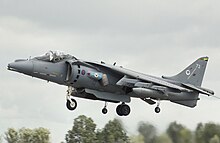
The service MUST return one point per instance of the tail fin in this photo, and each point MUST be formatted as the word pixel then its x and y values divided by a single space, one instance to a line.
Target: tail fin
pixel 193 74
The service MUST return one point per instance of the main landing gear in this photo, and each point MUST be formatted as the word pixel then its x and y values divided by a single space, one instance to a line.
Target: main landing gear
pixel 123 109
pixel 71 103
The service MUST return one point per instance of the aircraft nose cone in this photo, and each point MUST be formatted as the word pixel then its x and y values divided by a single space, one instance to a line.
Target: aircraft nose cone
pixel 23 66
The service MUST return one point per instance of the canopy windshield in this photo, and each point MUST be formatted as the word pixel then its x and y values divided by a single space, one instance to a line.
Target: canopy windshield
pixel 55 56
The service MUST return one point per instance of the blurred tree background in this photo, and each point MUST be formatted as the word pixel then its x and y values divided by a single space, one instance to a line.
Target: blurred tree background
pixel 178 133
pixel 114 132
pixel 25 135
pixel 84 130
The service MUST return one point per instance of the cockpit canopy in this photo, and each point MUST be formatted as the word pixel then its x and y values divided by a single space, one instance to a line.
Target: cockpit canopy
pixel 55 56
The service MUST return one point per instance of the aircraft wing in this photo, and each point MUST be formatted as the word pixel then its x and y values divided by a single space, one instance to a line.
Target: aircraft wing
pixel 141 77
pixel 200 89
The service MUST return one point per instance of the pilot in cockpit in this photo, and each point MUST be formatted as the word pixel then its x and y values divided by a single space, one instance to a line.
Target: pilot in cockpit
pixel 54 56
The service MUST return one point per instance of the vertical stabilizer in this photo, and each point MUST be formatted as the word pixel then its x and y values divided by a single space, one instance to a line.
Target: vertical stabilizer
pixel 193 74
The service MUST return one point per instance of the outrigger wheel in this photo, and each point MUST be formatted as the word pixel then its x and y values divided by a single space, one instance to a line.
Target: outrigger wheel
pixel 157 109
pixel 104 111
pixel 71 105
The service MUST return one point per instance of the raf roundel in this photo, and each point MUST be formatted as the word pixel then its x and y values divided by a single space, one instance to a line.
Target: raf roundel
pixel 187 72
pixel 83 72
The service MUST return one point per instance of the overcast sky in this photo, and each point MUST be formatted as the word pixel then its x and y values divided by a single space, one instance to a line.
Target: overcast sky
pixel 151 36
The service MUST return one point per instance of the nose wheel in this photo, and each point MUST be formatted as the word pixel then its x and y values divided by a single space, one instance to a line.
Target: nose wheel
pixel 123 109
pixel 71 103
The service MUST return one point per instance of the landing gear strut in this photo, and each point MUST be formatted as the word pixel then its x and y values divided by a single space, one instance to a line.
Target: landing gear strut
pixel 123 109
pixel 71 103
pixel 105 110
pixel 157 109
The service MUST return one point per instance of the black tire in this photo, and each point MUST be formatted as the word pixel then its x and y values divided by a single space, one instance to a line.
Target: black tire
pixel 71 105
pixel 125 109
pixel 118 110
pixel 104 111
pixel 157 109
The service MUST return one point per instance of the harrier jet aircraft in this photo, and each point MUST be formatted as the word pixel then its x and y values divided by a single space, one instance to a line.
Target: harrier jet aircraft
pixel 111 83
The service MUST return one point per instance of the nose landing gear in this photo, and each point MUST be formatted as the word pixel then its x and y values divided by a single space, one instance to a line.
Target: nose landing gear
pixel 71 103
